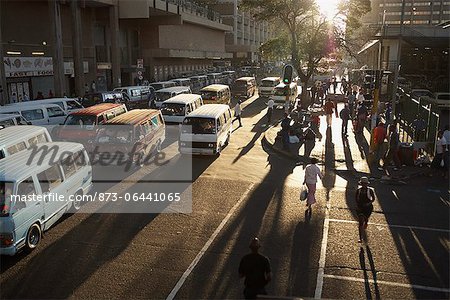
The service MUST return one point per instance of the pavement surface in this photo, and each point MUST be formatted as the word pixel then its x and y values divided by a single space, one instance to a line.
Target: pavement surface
pixel 251 189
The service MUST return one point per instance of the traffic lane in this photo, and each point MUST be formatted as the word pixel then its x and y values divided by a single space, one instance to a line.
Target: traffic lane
pixel 96 249
pixel 273 212
pixel 397 255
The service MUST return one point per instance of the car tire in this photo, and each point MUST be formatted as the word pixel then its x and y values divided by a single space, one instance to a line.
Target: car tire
pixel 76 205
pixel 158 147
pixel 227 141
pixel 34 236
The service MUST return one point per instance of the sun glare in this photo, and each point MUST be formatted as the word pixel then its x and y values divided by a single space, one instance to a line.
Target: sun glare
pixel 328 7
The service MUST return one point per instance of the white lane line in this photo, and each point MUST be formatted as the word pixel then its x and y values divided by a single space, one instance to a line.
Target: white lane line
pixel 323 253
pixel 393 225
pixel 206 246
pixel 397 284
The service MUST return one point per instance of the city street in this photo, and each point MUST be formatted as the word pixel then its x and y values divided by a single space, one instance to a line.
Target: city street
pixel 250 190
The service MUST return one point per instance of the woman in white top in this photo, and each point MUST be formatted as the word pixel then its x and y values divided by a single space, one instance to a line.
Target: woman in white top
pixel 440 149
pixel 312 171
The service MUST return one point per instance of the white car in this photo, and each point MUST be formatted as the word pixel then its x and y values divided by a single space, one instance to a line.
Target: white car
pixel 441 99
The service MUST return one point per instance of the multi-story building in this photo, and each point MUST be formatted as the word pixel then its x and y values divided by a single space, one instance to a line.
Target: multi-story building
pixel 246 35
pixel 108 42
pixel 423 36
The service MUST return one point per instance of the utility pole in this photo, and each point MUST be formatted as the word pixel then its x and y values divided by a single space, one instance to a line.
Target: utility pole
pixel 378 76
pixel 398 65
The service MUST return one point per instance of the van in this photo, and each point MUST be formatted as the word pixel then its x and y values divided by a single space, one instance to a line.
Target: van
pixel 206 130
pixel 162 85
pixel 182 82
pixel 279 94
pixel 244 87
pixel 80 126
pixel 176 108
pixel 7 120
pixel 230 76
pixel 141 133
pixel 215 78
pixel 441 99
pixel 36 191
pixel 216 94
pixel 37 114
pixel 66 104
pixel 17 138
pixel 267 86
pixel 104 97
pixel 198 82
pixel 164 94
pixel 138 96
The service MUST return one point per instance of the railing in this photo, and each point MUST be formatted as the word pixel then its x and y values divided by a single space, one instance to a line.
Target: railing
pixel 190 7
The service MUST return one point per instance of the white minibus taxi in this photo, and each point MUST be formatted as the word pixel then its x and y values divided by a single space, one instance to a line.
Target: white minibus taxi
pixel 17 138
pixel 66 104
pixel 267 86
pixel 167 93
pixel 206 130
pixel 280 92
pixel 37 188
pixel 7 120
pixel 37 114
pixel 175 109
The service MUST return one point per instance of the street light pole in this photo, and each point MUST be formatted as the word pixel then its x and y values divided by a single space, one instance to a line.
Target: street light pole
pixel 397 65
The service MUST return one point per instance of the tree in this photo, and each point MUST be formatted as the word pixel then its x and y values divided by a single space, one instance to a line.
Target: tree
pixel 311 36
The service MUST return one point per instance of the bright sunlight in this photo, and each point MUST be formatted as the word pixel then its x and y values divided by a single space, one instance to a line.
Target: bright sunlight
pixel 328 7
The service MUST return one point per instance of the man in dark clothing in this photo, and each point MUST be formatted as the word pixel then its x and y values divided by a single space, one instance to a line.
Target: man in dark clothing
pixel 364 198
pixel 310 141
pixel 255 268
pixel 344 114
pixel 285 126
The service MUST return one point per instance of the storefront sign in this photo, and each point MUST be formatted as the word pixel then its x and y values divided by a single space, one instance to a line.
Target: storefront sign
pixel 104 66
pixel 28 66
pixel 69 68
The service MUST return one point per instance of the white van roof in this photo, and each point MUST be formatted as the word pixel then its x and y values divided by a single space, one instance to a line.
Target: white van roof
pixel 215 87
pixel 209 111
pixel 183 98
pixel 42 101
pixel 173 89
pixel 131 87
pixel 16 167
pixel 14 133
pixel 15 108
pixel 8 116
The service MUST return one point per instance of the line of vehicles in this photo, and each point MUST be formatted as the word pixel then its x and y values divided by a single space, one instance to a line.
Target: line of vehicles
pixel 27 184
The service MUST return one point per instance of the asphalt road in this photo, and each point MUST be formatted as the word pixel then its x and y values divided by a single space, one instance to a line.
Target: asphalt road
pixel 247 191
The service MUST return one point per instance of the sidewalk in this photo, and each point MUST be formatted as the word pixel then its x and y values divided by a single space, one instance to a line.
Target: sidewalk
pixel 348 158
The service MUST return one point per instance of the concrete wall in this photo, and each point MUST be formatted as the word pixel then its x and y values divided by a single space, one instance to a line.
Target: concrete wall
pixel 191 37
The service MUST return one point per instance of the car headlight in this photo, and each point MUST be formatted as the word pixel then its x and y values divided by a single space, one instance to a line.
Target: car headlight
pixel 210 145
pixel 183 144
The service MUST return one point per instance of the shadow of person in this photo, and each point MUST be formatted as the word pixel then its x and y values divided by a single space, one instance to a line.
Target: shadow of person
pixel 374 272
pixel 362 261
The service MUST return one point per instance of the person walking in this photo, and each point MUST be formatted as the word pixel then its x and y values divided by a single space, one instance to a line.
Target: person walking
pixel 379 134
pixel 351 103
pixel 393 148
pixel 361 117
pixel 329 109
pixel 255 268
pixel 312 171
pixel 285 128
pixel 270 105
pixel 93 87
pixel 237 113
pixel 364 198
pixel 335 84
pixel 344 114
pixel 439 155
pixel 309 137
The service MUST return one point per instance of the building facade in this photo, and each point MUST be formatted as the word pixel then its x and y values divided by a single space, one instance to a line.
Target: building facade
pixel 80 46
pixel 418 46
pixel 246 35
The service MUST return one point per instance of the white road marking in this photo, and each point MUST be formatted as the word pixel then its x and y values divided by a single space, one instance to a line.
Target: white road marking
pixel 206 246
pixel 396 284
pixel 393 225
pixel 323 253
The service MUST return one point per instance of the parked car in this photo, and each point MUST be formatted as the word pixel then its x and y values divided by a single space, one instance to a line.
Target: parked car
pixel 418 93
pixel 37 113
pixel 216 94
pixel 105 97
pixel 244 87
pixel 441 99
pixel 66 104
pixel 17 138
pixel 175 109
pixel 267 86
pixel 138 96
pixel 167 93
pixel 163 85
pixel 206 130
pixel 7 120
pixel 135 134
pixel 25 182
